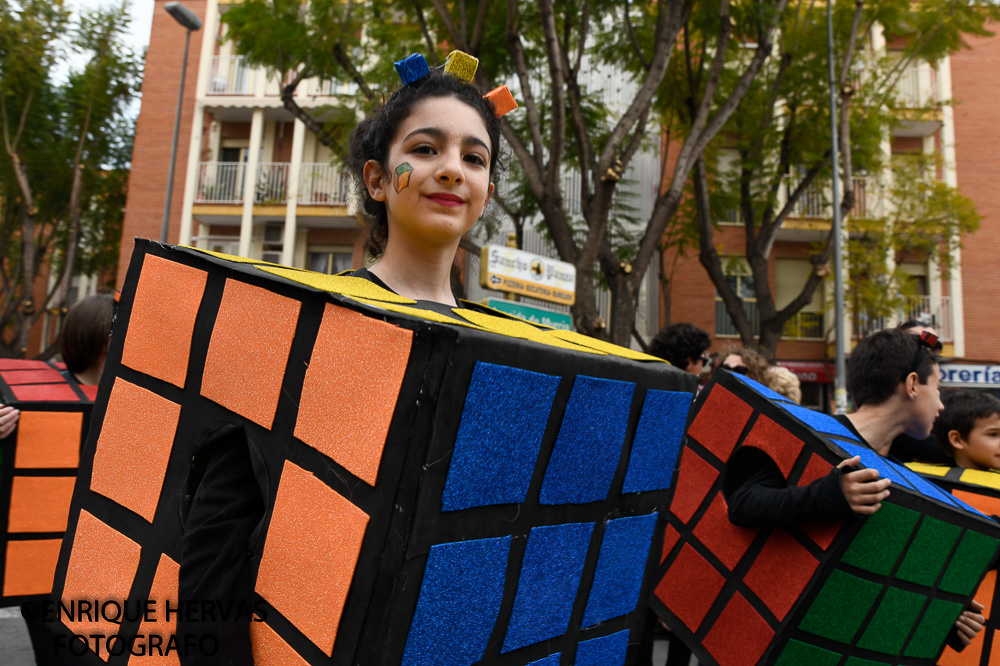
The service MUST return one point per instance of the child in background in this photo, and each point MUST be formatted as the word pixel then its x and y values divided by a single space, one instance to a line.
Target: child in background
pixel 969 429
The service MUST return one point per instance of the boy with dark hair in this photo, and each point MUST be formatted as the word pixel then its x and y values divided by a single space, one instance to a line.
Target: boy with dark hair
pixel 683 345
pixel 969 429
pixel 894 378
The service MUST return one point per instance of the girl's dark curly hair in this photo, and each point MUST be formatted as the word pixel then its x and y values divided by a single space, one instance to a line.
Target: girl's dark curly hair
pixel 371 139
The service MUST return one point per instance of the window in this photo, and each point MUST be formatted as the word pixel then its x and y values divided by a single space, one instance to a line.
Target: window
pixel 329 259
pixel 807 323
pixel 738 276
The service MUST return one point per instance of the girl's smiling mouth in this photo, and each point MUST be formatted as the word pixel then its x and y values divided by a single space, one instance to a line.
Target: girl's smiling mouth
pixel 445 199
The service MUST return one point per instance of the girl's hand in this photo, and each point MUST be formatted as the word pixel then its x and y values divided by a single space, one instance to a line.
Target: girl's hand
pixel 970 622
pixel 863 489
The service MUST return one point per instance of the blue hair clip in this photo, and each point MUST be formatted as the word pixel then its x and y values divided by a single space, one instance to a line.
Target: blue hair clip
pixel 412 68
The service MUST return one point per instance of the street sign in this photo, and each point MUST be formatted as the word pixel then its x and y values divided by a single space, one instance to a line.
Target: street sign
pixel 519 272
pixel 535 315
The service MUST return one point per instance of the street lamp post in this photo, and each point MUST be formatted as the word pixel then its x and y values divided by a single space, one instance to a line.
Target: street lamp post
pixel 840 364
pixel 191 22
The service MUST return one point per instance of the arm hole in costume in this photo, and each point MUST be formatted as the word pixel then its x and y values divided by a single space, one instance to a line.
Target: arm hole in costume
pixel 746 463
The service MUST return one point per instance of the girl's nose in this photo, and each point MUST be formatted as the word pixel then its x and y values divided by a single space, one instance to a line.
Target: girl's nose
pixel 450 167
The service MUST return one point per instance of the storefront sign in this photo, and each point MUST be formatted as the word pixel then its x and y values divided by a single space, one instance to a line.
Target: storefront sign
pixel 971 374
pixel 519 272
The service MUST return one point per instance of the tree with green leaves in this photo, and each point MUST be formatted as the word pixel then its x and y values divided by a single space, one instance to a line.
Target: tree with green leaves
pixel 66 149
pixel 781 138
pixel 546 50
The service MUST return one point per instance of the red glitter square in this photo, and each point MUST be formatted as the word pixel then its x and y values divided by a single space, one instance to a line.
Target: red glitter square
pixel 689 587
pixel 728 542
pixel 780 445
pixel 248 352
pixel 740 636
pixel 694 480
pixel 89 390
pixel 20 364
pixel 39 376
pixel 312 548
pixel 158 339
pixel 670 537
pixel 45 393
pixel 815 469
pixel 132 453
pixel 346 424
pixel 781 572
pixel 720 422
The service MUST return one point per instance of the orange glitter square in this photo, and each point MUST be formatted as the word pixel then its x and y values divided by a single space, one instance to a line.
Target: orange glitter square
pixel 350 389
pixel 165 584
pixel 40 503
pixel 312 548
pixel 167 298
pixel 102 566
pixel 48 440
pixel 30 566
pixel 269 649
pixel 134 446
pixel 249 351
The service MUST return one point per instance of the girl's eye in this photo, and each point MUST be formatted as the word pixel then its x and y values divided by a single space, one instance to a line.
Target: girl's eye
pixel 423 149
pixel 474 158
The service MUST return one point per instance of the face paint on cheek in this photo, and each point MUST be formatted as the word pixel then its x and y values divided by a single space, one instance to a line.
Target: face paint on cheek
pixel 401 177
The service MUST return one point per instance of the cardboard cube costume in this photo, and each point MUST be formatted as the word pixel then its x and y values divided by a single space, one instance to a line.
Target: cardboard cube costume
pixel 885 589
pixel 980 489
pixel 37 473
pixel 441 489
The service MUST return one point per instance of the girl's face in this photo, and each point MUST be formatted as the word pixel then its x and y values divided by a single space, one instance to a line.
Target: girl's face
pixel 438 178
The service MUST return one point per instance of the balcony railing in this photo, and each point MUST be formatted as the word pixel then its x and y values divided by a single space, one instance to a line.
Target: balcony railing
pixel 935 309
pixel 802 325
pixel 319 183
pixel 231 77
pixel 815 201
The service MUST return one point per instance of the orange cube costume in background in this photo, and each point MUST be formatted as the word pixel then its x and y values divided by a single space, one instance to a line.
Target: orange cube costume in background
pixel 980 489
pixel 37 472
pixel 440 488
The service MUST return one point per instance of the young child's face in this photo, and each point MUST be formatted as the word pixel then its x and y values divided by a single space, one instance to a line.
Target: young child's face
pixel 438 179
pixel 982 448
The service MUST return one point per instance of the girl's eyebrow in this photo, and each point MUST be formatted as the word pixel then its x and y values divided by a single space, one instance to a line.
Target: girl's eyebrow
pixel 437 133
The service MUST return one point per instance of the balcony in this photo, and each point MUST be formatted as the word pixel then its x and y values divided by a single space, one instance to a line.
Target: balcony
pixel 917 88
pixel 231 77
pixel 224 183
pixel 802 325
pixel 938 309
pixel 815 201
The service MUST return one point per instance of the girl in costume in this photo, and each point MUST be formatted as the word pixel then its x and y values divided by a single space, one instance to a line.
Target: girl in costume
pixel 424 165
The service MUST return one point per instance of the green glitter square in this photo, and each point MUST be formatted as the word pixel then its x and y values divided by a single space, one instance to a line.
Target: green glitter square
pixel 882 539
pixel 797 653
pixel 840 607
pixel 934 627
pixel 897 613
pixel 929 551
pixel 970 560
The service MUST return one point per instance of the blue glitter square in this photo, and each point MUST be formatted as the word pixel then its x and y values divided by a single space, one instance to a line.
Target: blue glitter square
pixel 411 68
pixel 657 441
pixel 872 460
pixel 927 488
pixel 760 388
pixel 620 567
pixel 459 602
pixel 499 436
pixel 589 445
pixel 818 421
pixel 550 576
pixel 604 651
pixel 551 660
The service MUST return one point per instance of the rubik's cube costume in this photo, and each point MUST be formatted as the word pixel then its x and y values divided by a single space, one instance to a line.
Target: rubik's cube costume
pixel 37 473
pixel 440 488
pixel 980 489
pixel 885 589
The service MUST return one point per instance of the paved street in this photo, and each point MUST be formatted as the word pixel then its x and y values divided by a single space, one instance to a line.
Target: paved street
pixel 14 642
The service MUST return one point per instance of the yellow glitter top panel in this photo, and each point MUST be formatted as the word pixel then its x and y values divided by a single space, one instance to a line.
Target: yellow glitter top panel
pixel 929 469
pixel 461 65
pixel 430 315
pixel 517 328
pixel 234 258
pixel 601 345
pixel 988 478
pixel 338 284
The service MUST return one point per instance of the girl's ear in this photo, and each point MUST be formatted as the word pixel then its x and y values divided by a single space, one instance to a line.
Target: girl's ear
pixel 955 438
pixel 489 195
pixel 374 181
